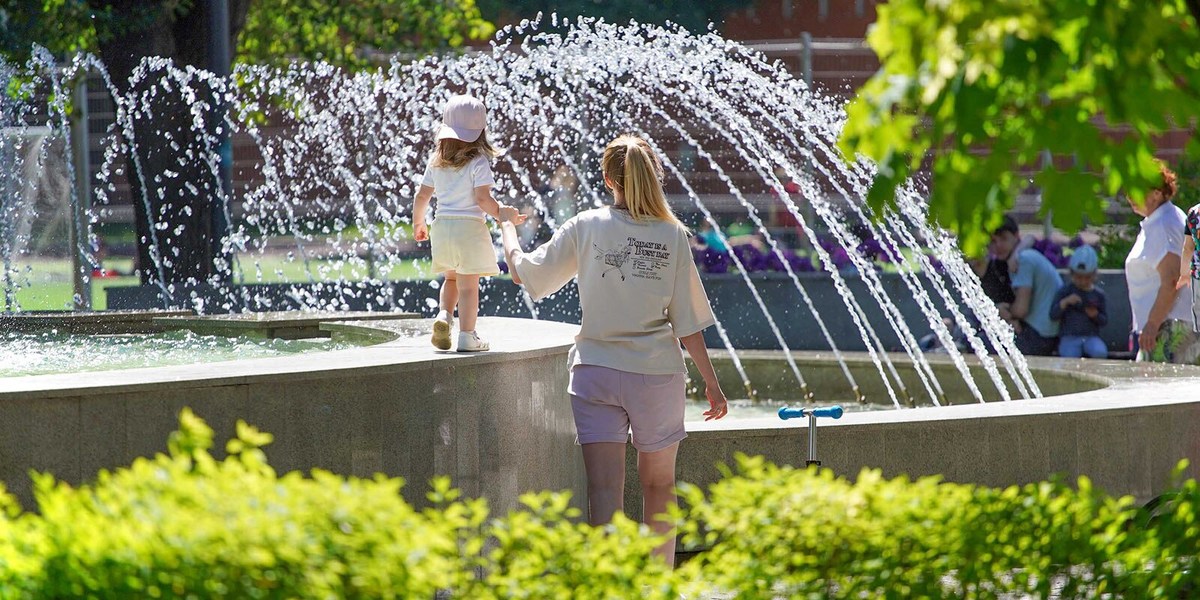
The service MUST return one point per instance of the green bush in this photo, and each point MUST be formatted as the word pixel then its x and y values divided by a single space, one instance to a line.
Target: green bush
pixel 778 532
pixel 185 525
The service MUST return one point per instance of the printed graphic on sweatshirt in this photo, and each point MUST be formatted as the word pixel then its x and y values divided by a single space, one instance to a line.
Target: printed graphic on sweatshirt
pixel 636 258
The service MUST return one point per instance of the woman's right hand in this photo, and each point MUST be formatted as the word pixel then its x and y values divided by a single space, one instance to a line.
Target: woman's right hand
pixel 718 405
pixel 420 232
pixel 1185 279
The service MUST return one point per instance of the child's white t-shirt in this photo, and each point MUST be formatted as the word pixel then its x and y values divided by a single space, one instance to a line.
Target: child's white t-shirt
pixel 455 188
pixel 638 288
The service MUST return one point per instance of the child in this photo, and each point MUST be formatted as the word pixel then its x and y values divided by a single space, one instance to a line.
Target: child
pixel 641 297
pixel 461 176
pixel 1081 309
pixel 1189 267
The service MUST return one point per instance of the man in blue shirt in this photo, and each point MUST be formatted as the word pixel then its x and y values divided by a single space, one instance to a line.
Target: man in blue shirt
pixel 1034 282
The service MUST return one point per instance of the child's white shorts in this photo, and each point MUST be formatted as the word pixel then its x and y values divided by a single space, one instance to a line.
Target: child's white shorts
pixel 462 245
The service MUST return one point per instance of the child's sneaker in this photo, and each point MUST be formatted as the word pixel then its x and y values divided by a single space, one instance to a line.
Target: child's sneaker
pixel 441 330
pixel 468 341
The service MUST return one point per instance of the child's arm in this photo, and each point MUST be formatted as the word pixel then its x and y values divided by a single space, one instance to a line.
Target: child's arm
pixel 1185 262
pixel 718 406
pixel 420 207
pixel 483 197
pixel 1101 316
pixel 1059 304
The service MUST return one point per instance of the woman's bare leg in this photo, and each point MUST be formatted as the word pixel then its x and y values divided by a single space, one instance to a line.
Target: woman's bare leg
pixel 657 472
pixel 605 465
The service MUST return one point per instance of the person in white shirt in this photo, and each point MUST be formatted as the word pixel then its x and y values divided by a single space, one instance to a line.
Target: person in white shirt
pixel 1162 315
pixel 641 296
pixel 459 174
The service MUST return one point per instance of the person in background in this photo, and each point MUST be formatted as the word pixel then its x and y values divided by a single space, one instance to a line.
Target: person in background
pixel 1162 314
pixel 709 236
pixel 1189 262
pixel 995 280
pixel 1034 283
pixel 1081 309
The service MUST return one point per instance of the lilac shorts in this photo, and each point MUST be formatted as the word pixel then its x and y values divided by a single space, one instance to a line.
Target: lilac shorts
pixel 607 403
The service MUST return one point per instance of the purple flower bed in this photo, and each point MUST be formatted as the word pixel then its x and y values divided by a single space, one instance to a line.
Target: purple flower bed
pixel 1051 251
pixel 754 259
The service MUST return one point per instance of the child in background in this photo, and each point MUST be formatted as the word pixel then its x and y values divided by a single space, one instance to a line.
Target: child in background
pixel 1189 268
pixel 1081 310
pixel 460 174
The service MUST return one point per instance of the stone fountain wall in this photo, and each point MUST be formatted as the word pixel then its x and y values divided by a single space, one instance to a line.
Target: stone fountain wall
pixel 497 423
pixel 731 300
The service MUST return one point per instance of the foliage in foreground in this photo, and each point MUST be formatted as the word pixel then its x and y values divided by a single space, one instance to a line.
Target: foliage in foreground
pixel 187 525
pixel 184 525
pixel 782 532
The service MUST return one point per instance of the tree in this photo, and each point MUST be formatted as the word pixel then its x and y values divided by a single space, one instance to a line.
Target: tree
pixel 340 32
pixel 979 90
pixel 692 15
pixel 177 190
pixel 62 26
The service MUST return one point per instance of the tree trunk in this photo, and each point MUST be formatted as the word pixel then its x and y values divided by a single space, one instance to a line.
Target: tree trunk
pixel 176 188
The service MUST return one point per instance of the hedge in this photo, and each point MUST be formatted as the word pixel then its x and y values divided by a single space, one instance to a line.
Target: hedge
pixel 186 525
pixel 779 532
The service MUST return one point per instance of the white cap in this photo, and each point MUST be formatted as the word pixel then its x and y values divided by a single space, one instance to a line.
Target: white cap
pixel 464 119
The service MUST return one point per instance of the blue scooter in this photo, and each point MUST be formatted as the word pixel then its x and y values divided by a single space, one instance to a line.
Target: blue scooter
pixel 831 412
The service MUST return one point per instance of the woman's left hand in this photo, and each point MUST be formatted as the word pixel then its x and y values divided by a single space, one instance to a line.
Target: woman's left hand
pixel 1148 338
pixel 718 405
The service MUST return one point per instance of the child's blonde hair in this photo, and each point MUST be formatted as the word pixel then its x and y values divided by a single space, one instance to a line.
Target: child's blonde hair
pixel 636 173
pixel 455 154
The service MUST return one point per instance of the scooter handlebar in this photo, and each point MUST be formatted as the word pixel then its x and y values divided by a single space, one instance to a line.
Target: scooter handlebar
pixel 831 412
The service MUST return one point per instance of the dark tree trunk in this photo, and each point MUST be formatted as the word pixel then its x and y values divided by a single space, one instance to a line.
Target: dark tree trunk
pixel 175 190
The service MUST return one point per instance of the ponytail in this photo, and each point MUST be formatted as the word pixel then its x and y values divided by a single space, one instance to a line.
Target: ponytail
pixel 636 174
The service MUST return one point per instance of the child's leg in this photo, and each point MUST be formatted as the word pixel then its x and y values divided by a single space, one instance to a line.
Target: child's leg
pixel 1094 347
pixel 449 294
pixel 1070 346
pixel 468 301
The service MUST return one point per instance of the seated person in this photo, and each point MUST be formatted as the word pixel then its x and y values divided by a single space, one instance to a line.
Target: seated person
pixel 1034 283
pixel 1080 309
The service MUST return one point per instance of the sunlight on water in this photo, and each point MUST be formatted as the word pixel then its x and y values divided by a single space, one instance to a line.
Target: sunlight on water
pixel 41 354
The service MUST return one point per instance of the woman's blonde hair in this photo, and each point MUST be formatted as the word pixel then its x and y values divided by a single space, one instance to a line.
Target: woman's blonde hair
pixel 455 154
pixel 636 174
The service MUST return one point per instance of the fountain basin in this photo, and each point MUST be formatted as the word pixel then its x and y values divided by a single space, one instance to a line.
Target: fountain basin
pixel 496 422
pixel 499 423
pixel 1125 426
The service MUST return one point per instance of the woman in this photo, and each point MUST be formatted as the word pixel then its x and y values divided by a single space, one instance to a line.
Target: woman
pixel 1162 331
pixel 641 296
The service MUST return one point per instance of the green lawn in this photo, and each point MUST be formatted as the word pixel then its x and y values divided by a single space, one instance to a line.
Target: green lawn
pixel 49 285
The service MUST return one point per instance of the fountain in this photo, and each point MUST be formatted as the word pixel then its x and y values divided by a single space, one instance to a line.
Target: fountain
pixel 324 226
